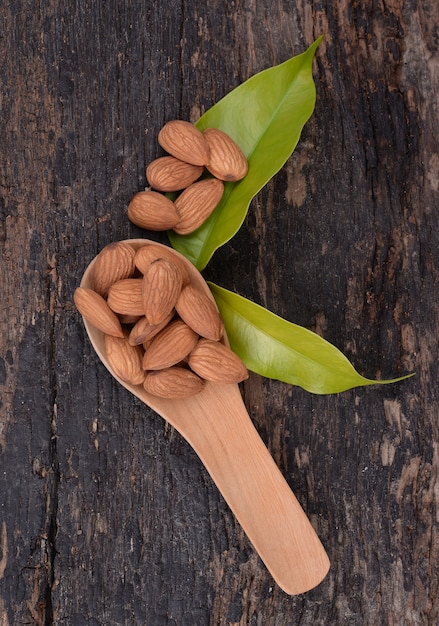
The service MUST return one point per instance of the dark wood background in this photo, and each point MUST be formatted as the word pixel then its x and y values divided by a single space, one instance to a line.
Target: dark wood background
pixel 107 516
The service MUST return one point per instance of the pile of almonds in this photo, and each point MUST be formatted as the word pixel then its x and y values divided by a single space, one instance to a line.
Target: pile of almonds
pixel 161 329
pixel 192 155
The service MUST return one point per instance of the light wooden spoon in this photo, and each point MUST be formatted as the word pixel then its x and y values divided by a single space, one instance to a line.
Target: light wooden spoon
pixel 216 424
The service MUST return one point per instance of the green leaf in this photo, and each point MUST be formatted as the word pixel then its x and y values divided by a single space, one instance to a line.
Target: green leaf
pixel 265 116
pixel 276 348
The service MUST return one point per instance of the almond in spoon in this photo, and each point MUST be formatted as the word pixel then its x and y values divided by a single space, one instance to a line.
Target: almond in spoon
pixel 125 360
pixel 126 297
pixel 143 331
pixel 216 362
pixel 170 346
pixel 95 309
pixel 200 313
pixel 161 287
pixel 147 254
pixel 113 263
pixel 173 382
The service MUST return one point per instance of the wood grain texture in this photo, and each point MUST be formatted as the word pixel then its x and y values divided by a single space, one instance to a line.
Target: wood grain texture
pixel 108 518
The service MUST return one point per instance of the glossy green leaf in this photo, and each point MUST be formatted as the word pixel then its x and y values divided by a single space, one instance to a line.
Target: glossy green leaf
pixel 265 115
pixel 276 348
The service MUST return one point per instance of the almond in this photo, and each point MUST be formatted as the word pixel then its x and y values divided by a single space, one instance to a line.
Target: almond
pixel 126 297
pixel 113 263
pixel 173 382
pixel 143 331
pixel 146 344
pixel 200 313
pixel 170 174
pixel 153 211
pixel 196 203
pixel 96 311
pixel 129 320
pixel 170 346
pixel 216 362
pixel 226 160
pixel 161 287
pixel 125 360
pixel 151 252
pixel 184 141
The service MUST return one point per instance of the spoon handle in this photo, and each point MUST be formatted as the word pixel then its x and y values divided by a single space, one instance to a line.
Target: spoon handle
pixel 224 437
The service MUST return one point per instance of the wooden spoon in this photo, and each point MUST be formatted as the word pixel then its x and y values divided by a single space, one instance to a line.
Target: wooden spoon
pixel 216 424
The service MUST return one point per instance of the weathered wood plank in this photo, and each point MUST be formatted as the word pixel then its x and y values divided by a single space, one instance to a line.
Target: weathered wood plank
pixel 107 515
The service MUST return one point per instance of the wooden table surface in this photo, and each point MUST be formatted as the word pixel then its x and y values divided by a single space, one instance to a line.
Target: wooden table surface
pixel 108 517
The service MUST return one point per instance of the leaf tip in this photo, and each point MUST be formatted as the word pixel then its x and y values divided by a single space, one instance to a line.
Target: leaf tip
pixel 395 380
pixel 313 47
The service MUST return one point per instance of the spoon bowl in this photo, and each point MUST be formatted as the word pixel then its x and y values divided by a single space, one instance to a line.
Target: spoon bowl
pixel 217 425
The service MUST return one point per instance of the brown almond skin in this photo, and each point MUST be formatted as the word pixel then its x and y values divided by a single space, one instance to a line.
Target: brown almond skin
pixel 126 297
pixel 200 313
pixel 129 320
pixel 153 211
pixel 96 311
pixel 113 263
pixel 184 141
pixel 125 360
pixel 173 382
pixel 161 287
pixel 170 346
pixel 143 331
pixel 170 174
pixel 149 253
pixel 226 161
pixel 196 203
pixel 216 362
